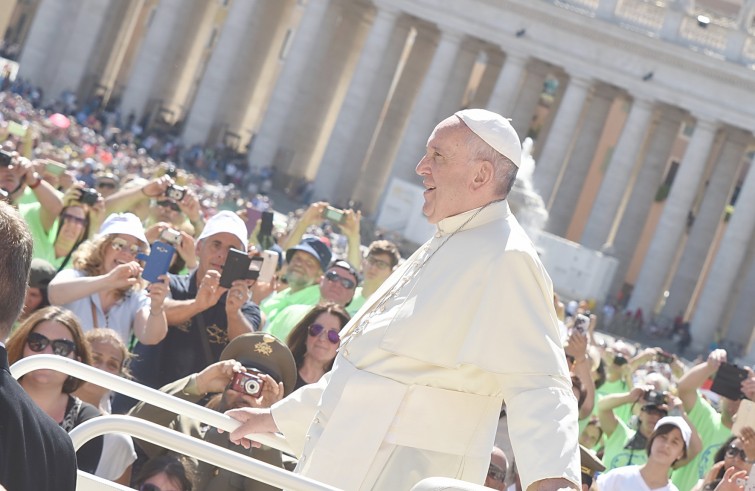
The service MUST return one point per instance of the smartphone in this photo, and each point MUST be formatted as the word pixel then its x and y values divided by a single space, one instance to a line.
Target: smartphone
pixel 266 227
pixel 54 168
pixel 728 381
pixel 581 323
pixel 252 215
pixel 333 214
pixel 269 266
pixel 158 261
pixel 664 357
pixel 236 267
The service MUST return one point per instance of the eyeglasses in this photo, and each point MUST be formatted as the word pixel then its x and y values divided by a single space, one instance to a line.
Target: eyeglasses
pixel 67 217
pixel 106 184
pixel 119 245
pixel 495 472
pixel 733 451
pixel 61 347
pixel 377 263
pixel 316 329
pixel 345 282
pixel 169 204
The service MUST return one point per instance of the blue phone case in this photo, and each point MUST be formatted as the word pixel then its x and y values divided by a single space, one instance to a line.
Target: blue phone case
pixel 158 261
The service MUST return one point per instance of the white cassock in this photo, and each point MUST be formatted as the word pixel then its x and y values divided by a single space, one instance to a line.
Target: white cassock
pixel 417 389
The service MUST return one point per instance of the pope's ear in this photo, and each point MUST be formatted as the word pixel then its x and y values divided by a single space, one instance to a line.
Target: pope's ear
pixel 484 174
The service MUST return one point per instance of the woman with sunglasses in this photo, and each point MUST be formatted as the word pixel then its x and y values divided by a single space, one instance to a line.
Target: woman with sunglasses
pixel 53 330
pixel 165 473
pixel 105 288
pixel 736 453
pixel 57 237
pixel 314 342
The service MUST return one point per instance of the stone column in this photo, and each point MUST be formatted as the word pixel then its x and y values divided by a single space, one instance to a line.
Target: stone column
pixel 528 97
pixel 614 185
pixel 218 78
pixel 423 117
pixel 508 85
pixel 607 9
pixel 727 265
pixel 709 217
pixel 643 192
pixel 362 99
pixel 307 39
pixel 556 149
pixel 652 278
pixel 570 184
pixel 5 15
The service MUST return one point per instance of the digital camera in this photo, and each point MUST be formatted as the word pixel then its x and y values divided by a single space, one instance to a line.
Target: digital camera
pixel 89 196
pixel 175 193
pixel 655 397
pixel 248 382
pixel 171 236
pixel 6 159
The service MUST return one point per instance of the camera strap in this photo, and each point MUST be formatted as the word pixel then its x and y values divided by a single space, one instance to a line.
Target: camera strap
pixel 209 359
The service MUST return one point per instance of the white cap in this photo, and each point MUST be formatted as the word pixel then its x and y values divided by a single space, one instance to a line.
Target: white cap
pixel 679 422
pixel 123 223
pixel 228 222
pixel 495 130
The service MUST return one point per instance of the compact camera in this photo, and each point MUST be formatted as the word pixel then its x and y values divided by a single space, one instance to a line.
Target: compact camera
pixel 171 236
pixel 655 397
pixel 581 323
pixel 333 214
pixel 248 382
pixel 175 193
pixel 664 357
pixel 88 196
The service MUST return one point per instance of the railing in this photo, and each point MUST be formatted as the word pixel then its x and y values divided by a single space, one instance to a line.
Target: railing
pixel 145 430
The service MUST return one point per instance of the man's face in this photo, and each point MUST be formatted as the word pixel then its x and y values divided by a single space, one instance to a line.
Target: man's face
pixel 167 210
pixel 10 177
pixel 303 269
pixel 447 172
pixel 376 267
pixel 213 250
pixel 332 286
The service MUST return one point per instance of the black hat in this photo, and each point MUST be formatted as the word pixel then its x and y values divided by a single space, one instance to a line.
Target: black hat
pixel 267 354
pixel 41 273
pixel 314 247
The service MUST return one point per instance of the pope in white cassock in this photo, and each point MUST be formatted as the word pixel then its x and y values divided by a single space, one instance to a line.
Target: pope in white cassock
pixel 466 323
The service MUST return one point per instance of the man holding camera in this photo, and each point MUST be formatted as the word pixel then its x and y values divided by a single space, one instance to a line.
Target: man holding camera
pixel 16 174
pixel 255 370
pixel 202 315
pixel 424 367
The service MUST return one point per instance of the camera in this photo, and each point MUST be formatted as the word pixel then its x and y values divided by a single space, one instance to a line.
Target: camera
pixel 655 397
pixel 175 193
pixel 171 236
pixel 6 159
pixel 333 214
pixel 619 360
pixel 664 357
pixel 88 196
pixel 248 382
pixel 581 323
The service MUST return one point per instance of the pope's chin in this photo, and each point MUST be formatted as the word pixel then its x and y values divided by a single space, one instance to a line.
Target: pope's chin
pixel 428 210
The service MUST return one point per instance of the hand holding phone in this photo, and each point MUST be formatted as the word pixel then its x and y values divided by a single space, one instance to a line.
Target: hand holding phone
pixel 158 261
pixel 236 267
pixel 728 381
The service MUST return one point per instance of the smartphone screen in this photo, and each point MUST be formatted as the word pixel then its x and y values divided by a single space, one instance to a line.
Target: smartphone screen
pixel 236 267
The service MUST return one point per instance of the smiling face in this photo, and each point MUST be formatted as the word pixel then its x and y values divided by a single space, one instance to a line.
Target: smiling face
pixel 319 348
pixel 733 456
pixel 52 330
pixel 448 171
pixel 121 250
pixel 303 269
pixel 332 288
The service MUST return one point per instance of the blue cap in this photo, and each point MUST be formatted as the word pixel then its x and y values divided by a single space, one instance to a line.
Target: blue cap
pixel 315 247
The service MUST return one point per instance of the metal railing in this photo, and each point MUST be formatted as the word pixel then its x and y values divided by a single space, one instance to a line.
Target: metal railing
pixel 167 438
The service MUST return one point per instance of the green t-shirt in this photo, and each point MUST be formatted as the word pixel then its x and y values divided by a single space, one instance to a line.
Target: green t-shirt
pixel 356 302
pixel 275 303
pixel 713 433
pixel 283 323
pixel 44 242
pixel 624 412
pixel 616 454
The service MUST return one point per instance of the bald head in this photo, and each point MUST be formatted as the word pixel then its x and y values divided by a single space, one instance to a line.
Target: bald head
pixel 499 465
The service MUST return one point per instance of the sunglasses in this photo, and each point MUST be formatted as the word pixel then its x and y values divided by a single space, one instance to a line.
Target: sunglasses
pixel 67 217
pixel 119 245
pixel 496 473
pixel 377 263
pixel 345 282
pixel 169 204
pixel 733 451
pixel 655 410
pixel 316 329
pixel 61 347
pixel 105 184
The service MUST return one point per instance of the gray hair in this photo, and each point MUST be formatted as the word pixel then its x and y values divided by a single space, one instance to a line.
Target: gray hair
pixel 504 169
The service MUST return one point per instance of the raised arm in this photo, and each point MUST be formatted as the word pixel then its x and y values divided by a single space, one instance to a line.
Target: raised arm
pixel 696 376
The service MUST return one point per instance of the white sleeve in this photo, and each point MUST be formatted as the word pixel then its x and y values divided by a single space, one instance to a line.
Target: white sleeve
pixel 294 414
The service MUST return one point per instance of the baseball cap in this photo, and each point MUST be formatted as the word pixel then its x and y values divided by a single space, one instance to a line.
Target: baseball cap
pixel 123 223
pixel 679 422
pixel 228 222
pixel 495 130
pixel 267 354
pixel 315 247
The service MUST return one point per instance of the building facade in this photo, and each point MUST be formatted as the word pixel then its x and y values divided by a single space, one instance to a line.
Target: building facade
pixel 642 113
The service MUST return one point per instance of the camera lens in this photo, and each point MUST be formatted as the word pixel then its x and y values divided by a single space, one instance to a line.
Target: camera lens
pixel 252 387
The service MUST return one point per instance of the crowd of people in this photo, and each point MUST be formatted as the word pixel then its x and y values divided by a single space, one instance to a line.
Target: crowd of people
pixel 486 340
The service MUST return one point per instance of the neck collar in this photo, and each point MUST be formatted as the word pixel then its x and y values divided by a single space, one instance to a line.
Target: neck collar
pixel 493 211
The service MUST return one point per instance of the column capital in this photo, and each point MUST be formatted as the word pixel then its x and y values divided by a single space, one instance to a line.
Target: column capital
pixel 704 122
pixel 386 11
pixel 515 58
pixel 580 79
pixel 449 34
